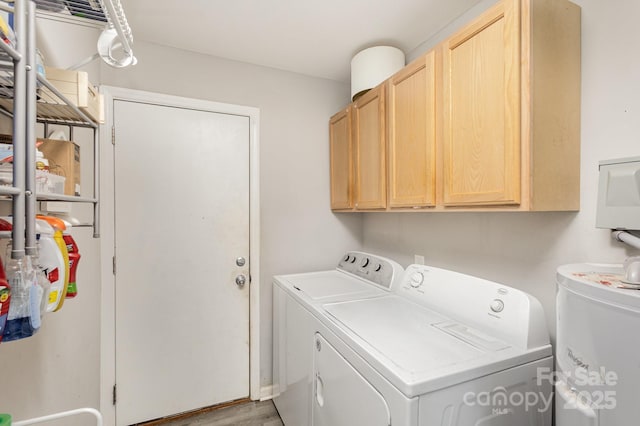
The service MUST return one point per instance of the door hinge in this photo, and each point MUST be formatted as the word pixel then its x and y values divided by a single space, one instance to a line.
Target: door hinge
pixel 114 264
pixel 113 135
pixel 114 395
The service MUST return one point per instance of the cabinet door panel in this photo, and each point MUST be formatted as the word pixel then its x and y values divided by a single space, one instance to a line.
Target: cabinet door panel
pixel 369 137
pixel 412 136
pixel 341 160
pixel 482 111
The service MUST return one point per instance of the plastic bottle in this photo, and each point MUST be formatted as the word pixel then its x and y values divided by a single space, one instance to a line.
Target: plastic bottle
pixel 5 290
pixel 36 291
pixel 19 322
pixel 5 420
pixel 41 162
pixel 52 262
pixel 5 301
pixel 74 259
pixel 42 280
pixel 58 226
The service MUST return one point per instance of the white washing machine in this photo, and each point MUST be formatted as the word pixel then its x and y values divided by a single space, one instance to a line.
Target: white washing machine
pixel 357 276
pixel 598 347
pixel 440 348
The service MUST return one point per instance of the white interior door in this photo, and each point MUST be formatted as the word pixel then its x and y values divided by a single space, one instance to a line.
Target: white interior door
pixel 181 221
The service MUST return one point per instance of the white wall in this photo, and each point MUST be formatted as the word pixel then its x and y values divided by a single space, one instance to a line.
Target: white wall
pixel 298 231
pixel 523 250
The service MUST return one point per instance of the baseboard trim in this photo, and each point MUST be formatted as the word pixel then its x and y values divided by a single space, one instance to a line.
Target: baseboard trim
pixel 266 392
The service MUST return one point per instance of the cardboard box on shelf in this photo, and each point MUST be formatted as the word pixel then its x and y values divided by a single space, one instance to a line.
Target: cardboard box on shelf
pixel 75 86
pixel 64 160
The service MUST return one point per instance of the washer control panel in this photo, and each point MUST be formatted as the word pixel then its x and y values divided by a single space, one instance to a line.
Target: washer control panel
pixel 377 269
pixel 496 309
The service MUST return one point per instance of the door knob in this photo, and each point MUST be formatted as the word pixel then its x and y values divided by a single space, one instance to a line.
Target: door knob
pixel 241 280
pixel 240 261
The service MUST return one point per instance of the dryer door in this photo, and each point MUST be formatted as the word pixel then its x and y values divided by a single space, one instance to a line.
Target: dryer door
pixel 342 397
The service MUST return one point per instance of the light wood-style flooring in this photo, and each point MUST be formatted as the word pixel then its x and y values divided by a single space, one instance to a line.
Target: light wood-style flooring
pixel 250 413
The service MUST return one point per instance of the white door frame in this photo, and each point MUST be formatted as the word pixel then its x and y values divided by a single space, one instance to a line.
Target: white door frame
pixel 107 233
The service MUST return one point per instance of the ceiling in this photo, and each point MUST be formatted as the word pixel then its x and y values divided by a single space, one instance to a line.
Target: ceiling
pixel 312 37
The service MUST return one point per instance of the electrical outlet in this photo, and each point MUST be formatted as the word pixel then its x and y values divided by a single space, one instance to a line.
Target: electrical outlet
pixel 417 259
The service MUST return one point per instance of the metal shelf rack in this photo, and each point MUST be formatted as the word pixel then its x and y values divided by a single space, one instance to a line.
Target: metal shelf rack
pixel 21 100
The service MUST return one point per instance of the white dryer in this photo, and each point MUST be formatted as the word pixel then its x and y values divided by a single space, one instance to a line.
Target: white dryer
pixel 297 300
pixel 597 346
pixel 441 348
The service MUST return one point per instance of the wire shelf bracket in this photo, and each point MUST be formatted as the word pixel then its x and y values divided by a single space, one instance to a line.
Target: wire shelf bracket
pixel 115 44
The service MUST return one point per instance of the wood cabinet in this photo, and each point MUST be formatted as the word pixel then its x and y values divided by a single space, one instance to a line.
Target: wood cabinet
pixel 341 160
pixel 481 144
pixel 511 108
pixel 487 120
pixel 412 135
pixel 369 138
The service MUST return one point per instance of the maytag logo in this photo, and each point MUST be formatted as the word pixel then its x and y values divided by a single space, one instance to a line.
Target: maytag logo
pixel 577 360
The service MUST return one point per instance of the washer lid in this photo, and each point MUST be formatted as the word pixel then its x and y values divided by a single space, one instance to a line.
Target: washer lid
pixel 602 282
pixel 325 285
pixel 418 349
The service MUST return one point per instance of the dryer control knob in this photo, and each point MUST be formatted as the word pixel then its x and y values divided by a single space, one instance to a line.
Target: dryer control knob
pixel 497 305
pixel 416 280
pixel 365 262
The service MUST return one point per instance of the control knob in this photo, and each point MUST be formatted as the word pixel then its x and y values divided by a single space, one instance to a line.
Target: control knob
pixel 416 279
pixel 497 305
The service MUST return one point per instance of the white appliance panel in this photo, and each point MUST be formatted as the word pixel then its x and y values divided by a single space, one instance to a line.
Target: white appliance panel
pixel 293 353
pixel 493 400
pixel 332 284
pixel 342 396
pixel 598 343
pixel 403 332
pixel 505 313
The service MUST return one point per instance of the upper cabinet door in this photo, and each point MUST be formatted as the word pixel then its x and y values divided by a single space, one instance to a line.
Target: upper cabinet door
pixel 341 160
pixel 481 133
pixel 369 137
pixel 412 137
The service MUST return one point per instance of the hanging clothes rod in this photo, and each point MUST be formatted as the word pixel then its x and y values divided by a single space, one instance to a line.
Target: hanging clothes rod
pixel 117 34
pixel 115 45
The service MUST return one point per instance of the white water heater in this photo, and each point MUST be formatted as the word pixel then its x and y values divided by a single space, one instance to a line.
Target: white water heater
pixel 598 314
pixel 597 346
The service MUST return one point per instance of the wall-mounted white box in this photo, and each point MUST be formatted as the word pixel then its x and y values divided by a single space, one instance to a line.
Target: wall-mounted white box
pixel 619 194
